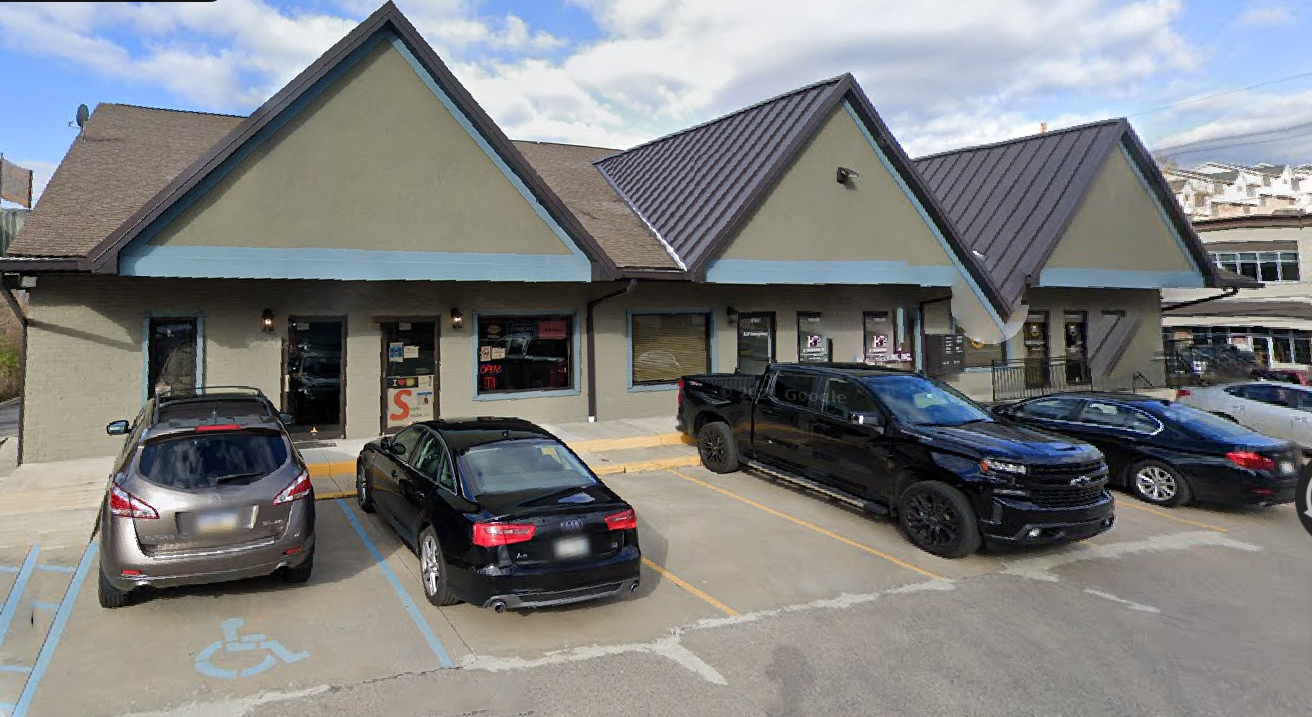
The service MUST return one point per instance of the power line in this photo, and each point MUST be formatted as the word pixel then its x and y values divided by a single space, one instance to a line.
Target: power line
pixel 1236 144
pixel 1222 94
pixel 1203 144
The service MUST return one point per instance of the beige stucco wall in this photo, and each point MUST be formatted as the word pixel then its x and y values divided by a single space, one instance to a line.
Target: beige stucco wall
pixel 809 216
pixel 375 162
pixel 1119 226
pixel 85 360
pixel 1139 356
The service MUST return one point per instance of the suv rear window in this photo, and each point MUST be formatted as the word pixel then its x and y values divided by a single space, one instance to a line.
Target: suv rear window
pixel 517 465
pixel 234 410
pixel 193 461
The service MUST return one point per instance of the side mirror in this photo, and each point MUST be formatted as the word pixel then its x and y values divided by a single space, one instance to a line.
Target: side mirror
pixel 118 428
pixel 286 418
pixel 395 449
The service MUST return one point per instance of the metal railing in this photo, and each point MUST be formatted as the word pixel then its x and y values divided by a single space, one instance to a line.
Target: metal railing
pixel 1185 363
pixel 1026 378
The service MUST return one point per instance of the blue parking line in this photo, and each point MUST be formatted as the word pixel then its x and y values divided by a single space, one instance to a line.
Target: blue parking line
pixel 56 631
pixel 56 569
pixel 45 605
pixel 15 668
pixel 8 569
pixel 16 592
pixel 401 593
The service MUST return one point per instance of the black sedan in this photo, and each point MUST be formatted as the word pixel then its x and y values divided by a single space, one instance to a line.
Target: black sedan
pixel 1166 453
pixel 501 513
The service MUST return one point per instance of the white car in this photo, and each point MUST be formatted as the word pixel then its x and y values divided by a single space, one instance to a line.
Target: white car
pixel 1277 409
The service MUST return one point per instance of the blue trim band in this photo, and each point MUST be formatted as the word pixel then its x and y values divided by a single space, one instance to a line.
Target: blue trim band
pixel 1119 278
pixel 938 234
pixel 762 271
pixel 410 607
pixel 348 264
pixel 576 345
pixel 140 258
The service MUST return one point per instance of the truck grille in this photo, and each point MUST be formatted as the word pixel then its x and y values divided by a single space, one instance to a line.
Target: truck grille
pixel 1071 470
pixel 1065 497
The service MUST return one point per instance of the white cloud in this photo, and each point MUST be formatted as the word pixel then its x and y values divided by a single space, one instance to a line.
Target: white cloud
pixel 1269 15
pixel 1246 127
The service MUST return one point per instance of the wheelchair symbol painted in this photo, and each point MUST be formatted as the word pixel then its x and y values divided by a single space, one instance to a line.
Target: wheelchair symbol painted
pixel 274 651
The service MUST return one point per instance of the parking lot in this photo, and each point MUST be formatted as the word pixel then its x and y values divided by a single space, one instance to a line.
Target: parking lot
pixel 722 553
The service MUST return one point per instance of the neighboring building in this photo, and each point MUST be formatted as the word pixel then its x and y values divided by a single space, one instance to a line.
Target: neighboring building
pixel 1217 191
pixel 1274 322
pixel 370 248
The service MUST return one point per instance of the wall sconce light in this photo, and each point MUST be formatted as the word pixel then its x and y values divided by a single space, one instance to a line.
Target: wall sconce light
pixel 266 321
pixel 732 313
pixel 457 318
pixel 845 175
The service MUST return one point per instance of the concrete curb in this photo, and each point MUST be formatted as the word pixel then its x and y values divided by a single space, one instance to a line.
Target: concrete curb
pixel 601 445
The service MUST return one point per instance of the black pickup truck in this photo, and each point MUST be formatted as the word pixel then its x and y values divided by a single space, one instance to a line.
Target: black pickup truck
pixel 897 443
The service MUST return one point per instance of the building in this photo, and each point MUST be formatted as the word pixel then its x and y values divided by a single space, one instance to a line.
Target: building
pixel 370 247
pixel 1275 321
pixel 1216 191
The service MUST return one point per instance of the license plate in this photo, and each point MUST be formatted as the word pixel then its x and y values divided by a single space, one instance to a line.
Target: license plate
pixel 1286 467
pixel 575 546
pixel 218 521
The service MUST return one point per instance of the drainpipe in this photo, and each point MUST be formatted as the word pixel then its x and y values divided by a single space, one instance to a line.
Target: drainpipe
pixel 1229 292
pixel 592 348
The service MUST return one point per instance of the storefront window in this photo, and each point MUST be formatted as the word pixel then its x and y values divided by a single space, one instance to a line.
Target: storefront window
pixel 525 353
pixel 887 339
pixel 172 355
pixel 812 346
pixel 667 346
pixel 410 372
pixel 1264 265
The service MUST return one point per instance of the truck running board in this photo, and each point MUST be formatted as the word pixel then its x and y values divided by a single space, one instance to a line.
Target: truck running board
pixel 835 493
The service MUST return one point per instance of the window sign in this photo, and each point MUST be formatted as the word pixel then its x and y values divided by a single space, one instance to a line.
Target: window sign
pixel 410 383
pixel 812 347
pixel 525 353
pixel 886 341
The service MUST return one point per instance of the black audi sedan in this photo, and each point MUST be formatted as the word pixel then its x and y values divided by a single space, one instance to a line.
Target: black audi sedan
pixel 1166 453
pixel 501 513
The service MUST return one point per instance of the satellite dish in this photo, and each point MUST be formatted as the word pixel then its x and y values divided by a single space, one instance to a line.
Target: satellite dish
pixel 82 115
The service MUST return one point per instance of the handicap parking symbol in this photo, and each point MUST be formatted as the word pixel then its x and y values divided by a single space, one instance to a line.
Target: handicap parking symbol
pixel 273 652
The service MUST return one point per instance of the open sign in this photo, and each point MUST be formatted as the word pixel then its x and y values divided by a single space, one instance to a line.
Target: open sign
pixel 490 369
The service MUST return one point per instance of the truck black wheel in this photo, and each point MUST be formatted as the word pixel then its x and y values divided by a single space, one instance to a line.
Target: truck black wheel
pixel 715 444
pixel 1157 483
pixel 938 519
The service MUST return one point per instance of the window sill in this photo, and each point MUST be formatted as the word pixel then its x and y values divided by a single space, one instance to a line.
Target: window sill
pixel 642 388
pixel 531 393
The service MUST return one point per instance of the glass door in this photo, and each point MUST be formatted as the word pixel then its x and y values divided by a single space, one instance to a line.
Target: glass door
pixel 812 347
pixel 409 373
pixel 314 376
pixel 172 364
pixel 1077 341
pixel 1035 336
pixel 755 342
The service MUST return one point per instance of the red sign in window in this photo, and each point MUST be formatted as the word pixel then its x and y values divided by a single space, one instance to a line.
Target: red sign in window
pixel 551 329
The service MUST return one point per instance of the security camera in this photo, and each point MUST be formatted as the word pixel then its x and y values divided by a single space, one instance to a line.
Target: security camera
pixel 845 174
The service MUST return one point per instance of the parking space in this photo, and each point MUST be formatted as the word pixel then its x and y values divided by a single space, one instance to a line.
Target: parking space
pixel 715 546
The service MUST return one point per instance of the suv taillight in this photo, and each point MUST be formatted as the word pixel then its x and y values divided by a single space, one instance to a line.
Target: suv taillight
pixel 298 489
pixel 126 505
pixel 1182 392
pixel 680 385
pixel 626 520
pixel 1251 460
pixel 490 535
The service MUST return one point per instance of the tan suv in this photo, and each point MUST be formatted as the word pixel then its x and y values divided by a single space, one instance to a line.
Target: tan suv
pixel 208 488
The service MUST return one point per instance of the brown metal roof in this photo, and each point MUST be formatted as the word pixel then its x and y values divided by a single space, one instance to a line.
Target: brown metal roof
pixel 123 157
pixel 692 186
pixel 569 171
pixel 1012 201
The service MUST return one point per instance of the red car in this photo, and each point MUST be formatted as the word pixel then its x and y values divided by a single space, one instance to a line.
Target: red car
pixel 1286 375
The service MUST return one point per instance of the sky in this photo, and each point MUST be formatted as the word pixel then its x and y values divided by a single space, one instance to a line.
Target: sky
pixel 943 73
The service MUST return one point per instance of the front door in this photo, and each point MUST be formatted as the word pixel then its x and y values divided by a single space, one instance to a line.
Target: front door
pixel 755 342
pixel 782 421
pixel 410 388
pixel 1077 340
pixel 845 450
pixel 172 353
pixel 314 376
pixel 1035 336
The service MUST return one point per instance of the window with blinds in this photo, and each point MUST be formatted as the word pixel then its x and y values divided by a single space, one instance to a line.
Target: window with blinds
pixel 667 346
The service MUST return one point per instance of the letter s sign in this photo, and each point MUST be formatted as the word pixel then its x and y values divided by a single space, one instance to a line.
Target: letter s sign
pixel 399 399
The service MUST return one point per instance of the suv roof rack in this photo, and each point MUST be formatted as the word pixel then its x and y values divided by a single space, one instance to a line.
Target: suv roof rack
pixel 202 394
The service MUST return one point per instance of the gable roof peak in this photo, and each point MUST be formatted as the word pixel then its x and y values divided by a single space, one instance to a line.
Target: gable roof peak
pixel 1099 124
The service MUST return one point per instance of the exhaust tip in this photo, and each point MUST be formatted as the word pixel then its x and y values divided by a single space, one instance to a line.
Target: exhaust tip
pixel 499 606
pixel 634 587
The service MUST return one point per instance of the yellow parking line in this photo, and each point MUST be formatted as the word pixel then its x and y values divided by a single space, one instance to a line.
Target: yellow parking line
pixel 334 495
pixel 816 528
pixel 1164 514
pixel 328 470
pixel 689 587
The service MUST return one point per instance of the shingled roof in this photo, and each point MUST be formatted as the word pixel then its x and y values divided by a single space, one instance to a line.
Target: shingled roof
pixel 1012 201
